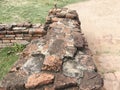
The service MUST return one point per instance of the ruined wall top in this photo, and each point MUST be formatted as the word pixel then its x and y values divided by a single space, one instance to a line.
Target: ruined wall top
pixel 60 60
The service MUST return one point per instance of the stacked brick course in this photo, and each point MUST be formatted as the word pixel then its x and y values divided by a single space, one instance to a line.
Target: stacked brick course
pixel 19 33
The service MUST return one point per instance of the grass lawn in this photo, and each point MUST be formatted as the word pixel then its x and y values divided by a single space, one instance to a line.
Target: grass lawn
pixel 8 56
pixel 34 11
pixel 6 61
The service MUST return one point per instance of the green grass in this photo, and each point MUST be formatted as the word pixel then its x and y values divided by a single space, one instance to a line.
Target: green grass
pixel 34 11
pixel 8 57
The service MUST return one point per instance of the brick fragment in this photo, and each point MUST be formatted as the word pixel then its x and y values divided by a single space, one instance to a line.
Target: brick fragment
pixel 3 32
pixel 6 41
pixel 52 63
pixel 10 32
pixel 2 36
pixel 19 35
pixel 39 79
pixel 18 38
pixel 9 36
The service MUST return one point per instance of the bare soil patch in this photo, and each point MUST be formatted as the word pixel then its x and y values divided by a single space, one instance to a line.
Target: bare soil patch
pixel 101 23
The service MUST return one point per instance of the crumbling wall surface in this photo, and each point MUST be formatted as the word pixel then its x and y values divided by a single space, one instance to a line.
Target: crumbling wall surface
pixel 19 33
pixel 61 60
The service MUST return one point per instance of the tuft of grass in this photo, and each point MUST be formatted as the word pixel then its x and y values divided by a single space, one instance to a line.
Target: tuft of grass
pixel 8 56
pixel 34 11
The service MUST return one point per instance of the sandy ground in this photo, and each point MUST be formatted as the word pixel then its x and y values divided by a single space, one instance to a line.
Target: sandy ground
pixel 101 25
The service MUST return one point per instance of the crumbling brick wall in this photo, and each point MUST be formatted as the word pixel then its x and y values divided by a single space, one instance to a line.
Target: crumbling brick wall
pixel 19 33
pixel 60 60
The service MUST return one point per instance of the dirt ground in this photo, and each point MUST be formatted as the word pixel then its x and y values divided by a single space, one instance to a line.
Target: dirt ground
pixel 101 25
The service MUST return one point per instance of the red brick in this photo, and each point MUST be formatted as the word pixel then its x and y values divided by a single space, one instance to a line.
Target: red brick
pixel 9 36
pixel 1 36
pixel 3 88
pixel 31 31
pixel 13 41
pixel 19 28
pixel 52 63
pixel 55 19
pixel 10 32
pixel 2 32
pixel 19 35
pixel 37 35
pixel 25 31
pixel 6 41
pixel 17 32
pixel 0 41
pixel 37 31
pixel 62 82
pixel 27 38
pixel 18 38
pixel 27 35
pixel 19 41
pixel 39 79
pixel 49 88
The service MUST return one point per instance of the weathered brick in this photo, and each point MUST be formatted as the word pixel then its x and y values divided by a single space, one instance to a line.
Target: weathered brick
pixel 19 35
pixel 18 38
pixel 25 31
pixel 39 80
pixel 52 63
pixel 37 35
pixel 9 36
pixel 39 31
pixel 27 35
pixel 6 41
pixel 3 32
pixel 27 24
pixel 10 32
pixel 1 36
pixel 19 28
pixel 31 31
pixel 27 38
pixel 36 25
pixel 24 42
pixel 0 41
pixel 13 41
pixel 17 32
pixel 2 88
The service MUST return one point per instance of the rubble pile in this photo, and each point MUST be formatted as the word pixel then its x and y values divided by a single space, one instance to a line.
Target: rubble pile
pixel 60 60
